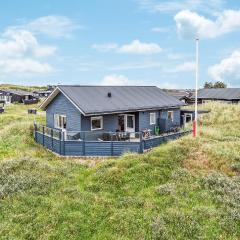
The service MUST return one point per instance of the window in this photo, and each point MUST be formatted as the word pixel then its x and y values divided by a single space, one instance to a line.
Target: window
pixel 130 121
pixel 170 115
pixel 60 121
pixel 96 123
pixel 152 118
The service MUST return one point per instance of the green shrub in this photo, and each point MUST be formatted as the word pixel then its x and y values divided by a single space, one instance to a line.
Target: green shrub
pixel 166 189
pixel 18 176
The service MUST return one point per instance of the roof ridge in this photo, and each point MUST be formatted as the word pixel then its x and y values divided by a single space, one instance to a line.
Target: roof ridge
pixel 65 85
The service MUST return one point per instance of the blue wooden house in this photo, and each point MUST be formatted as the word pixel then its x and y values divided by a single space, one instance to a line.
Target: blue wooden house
pixel 121 114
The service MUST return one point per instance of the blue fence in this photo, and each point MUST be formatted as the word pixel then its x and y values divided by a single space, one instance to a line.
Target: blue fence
pixel 53 140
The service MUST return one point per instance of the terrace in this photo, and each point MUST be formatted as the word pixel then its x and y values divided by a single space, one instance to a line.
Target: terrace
pixel 99 143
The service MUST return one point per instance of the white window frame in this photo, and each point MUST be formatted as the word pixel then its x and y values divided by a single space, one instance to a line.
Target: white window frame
pixel 171 115
pixel 57 120
pixel 152 119
pixel 128 129
pixel 187 115
pixel 101 123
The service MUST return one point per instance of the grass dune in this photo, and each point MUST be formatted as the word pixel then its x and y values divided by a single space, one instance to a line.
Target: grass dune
pixel 186 189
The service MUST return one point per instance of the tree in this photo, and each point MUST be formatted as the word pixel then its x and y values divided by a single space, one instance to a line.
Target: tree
pixel 217 84
pixel 208 85
pixel 220 84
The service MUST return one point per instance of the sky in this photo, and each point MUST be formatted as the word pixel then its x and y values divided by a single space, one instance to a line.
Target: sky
pixel 120 42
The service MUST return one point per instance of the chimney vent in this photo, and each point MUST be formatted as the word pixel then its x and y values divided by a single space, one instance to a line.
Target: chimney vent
pixel 109 94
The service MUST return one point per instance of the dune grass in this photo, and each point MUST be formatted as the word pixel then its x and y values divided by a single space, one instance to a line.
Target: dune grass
pixel 23 88
pixel 186 189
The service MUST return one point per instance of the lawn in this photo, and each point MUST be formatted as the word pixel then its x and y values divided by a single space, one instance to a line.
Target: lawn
pixel 185 189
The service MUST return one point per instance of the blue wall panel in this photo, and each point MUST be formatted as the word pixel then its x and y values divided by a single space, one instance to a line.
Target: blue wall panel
pixel 144 120
pixel 123 147
pixel 98 148
pixel 61 105
pixel 110 123
pixel 166 124
pixel 74 148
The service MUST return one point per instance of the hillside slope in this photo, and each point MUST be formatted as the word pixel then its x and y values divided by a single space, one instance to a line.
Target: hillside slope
pixel 23 88
pixel 186 189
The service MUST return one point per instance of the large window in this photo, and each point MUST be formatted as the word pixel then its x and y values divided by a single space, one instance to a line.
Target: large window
pixel 152 118
pixel 96 123
pixel 170 115
pixel 60 121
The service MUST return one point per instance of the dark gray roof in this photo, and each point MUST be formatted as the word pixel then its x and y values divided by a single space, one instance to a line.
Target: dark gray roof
pixel 200 111
pixel 219 93
pixel 17 92
pixel 179 93
pixel 42 91
pixel 94 99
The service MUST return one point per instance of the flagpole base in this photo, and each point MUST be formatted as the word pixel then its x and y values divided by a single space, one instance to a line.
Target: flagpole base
pixel 194 128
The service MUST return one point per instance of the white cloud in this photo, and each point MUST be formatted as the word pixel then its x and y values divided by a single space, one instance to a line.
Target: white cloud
pixel 20 50
pixel 137 47
pixel 183 67
pixel 136 65
pixel 178 5
pixel 24 66
pixel 175 56
pixel 105 47
pixel 228 69
pixel 19 53
pixel 53 26
pixel 16 43
pixel 191 24
pixel 115 80
pixel 186 67
pixel 44 51
pixel 169 86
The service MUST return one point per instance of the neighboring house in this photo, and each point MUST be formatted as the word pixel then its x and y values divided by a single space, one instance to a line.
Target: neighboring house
pixel 227 95
pixel 188 115
pixel 2 106
pixel 183 95
pixel 19 96
pixel 111 108
pixel 42 93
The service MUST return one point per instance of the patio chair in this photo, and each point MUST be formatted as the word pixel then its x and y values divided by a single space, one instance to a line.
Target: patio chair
pixel 106 137
pixel 146 133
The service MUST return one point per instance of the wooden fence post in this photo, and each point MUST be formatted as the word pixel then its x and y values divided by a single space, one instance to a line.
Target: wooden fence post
pixel 111 145
pixel 60 142
pixel 83 147
pixel 43 130
pixel 63 136
pixel 141 143
pixel 52 137
pixel 35 132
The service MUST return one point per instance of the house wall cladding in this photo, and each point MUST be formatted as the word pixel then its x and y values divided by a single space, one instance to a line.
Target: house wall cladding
pixel 144 120
pixel 77 122
pixel 161 119
pixel 61 105
pixel 110 123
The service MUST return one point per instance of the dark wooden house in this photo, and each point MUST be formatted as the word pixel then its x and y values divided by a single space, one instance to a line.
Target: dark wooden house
pixel 17 96
pixel 226 95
